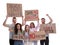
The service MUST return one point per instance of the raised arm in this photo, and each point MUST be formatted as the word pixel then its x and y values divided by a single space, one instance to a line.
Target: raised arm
pixel 23 22
pixel 38 25
pixel 4 23
pixel 49 18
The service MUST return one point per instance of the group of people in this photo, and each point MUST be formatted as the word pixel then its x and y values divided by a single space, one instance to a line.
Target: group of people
pixel 16 29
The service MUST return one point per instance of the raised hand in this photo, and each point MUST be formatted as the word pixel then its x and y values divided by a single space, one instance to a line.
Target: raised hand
pixel 7 17
pixel 47 14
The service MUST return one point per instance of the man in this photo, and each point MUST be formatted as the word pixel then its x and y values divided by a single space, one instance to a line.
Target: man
pixel 11 29
pixel 46 41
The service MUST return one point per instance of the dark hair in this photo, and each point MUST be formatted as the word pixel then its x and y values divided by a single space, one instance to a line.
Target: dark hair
pixel 42 18
pixel 15 28
pixel 26 26
pixel 14 17
pixel 33 25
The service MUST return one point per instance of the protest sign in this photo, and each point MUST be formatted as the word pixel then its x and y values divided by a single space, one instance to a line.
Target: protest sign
pixel 48 28
pixel 40 35
pixel 31 15
pixel 14 10
pixel 17 37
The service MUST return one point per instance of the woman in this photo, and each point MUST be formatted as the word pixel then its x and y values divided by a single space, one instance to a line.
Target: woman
pixel 26 35
pixel 19 32
pixel 34 29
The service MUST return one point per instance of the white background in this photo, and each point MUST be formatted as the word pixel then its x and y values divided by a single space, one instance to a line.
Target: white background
pixel 50 7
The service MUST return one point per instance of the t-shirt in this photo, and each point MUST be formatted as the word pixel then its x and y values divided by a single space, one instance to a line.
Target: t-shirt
pixel 11 27
pixel 47 35
pixel 26 34
pixel 18 34
pixel 35 29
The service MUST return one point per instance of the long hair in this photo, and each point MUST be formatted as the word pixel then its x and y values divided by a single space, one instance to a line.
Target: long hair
pixel 33 25
pixel 25 28
pixel 15 28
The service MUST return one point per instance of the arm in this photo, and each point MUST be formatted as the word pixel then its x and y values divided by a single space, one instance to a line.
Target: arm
pixel 38 25
pixel 11 30
pixel 4 23
pixel 49 18
pixel 23 22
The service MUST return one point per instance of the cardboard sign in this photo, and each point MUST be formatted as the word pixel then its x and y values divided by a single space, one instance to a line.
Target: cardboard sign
pixel 31 15
pixel 17 37
pixel 14 10
pixel 48 28
pixel 40 35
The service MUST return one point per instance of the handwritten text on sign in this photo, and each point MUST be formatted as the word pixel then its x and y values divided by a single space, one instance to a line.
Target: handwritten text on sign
pixel 31 15
pixel 14 10
pixel 40 35
pixel 48 28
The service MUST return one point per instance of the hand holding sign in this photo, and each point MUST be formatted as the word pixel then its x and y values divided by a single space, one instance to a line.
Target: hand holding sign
pixel 47 14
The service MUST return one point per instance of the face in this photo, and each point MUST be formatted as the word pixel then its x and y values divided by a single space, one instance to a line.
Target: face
pixel 43 20
pixel 18 27
pixel 14 20
pixel 32 25
pixel 27 27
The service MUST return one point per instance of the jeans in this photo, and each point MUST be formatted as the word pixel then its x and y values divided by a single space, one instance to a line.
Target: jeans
pixel 27 42
pixel 46 42
pixel 11 41
pixel 18 42
pixel 35 42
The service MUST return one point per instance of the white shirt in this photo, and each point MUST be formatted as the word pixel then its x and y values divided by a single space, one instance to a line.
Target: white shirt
pixel 35 29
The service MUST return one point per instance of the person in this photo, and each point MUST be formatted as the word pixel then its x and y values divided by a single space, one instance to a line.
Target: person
pixel 18 31
pixel 11 29
pixel 34 29
pixel 26 35
pixel 46 41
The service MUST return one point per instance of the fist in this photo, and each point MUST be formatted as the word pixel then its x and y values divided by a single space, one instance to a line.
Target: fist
pixel 47 14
